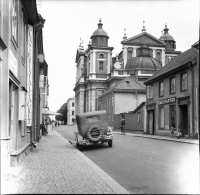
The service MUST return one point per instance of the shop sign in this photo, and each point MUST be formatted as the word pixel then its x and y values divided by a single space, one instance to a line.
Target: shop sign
pixel 30 76
pixel 167 101
pixel 13 64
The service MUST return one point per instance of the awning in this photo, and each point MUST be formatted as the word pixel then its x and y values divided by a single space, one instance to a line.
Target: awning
pixel 49 112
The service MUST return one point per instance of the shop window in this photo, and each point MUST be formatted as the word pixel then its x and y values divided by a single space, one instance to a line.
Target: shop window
pixel 161 89
pixel 184 82
pixel 161 117
pixel 173 116
pixel 100 65
pixel 138 117
pixel 172 85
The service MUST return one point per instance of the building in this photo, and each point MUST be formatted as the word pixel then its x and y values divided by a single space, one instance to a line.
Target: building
pixel 173 96
pixel 71 111
pixel 21 66
pixel 97 70
pixel 122 97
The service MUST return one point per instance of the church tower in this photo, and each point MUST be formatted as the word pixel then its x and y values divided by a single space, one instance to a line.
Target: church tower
pixel 96 66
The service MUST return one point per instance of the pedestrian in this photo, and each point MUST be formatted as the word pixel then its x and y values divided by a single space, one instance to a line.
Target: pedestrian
pixel 52 125
pixel 123 124
pixel 46 125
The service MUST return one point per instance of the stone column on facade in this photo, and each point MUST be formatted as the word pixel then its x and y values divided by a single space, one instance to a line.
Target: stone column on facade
pixel 91 63
pixel 81 104
pixel 134 51
pixel 154 52
pixel 93 99
pixel 125 55
pixel 94 63
pixel 109 63
pixel 163 57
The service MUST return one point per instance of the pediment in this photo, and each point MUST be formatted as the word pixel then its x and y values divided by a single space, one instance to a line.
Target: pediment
pixel 143 38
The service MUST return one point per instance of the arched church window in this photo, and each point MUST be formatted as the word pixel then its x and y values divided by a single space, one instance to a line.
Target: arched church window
pixel 129 55
pixel 100 65
pixel 158 56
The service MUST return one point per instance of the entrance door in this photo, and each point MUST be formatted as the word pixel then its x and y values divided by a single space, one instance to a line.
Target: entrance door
pixel 151 122
pixel 184 119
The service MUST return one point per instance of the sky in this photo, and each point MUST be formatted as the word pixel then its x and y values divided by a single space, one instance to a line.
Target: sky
pixel 69 20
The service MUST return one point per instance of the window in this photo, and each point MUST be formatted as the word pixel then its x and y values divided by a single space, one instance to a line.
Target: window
pixel 184 82
pixel 161 117
pixel 158 56
pixel 73 113
pixel 72 104
pixel 14 20
pixel 161 89
pixel 99 92
pixel 172 85
pixel 23 35
pixel 150 92
pixel 129 55
pixel 173 116
pixel 101 56
pixel 138 117
pixel 100 65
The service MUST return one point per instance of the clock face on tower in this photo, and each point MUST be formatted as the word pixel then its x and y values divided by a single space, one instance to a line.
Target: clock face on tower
pixel 117 65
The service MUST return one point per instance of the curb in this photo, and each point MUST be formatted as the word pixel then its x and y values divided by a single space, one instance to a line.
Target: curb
pixel 161 138
pixel 109 181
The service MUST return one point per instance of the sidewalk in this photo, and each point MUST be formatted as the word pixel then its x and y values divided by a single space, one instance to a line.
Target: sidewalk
pixel 189 141
pixel 57 167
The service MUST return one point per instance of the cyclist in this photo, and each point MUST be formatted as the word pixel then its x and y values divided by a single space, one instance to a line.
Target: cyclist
pixel 123 124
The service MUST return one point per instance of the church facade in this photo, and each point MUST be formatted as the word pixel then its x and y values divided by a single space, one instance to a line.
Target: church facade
pixel 97 71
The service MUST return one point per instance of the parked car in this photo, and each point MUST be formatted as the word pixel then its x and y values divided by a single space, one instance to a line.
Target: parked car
pixel 92 129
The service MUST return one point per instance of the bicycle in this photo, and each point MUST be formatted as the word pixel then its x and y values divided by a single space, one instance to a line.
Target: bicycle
pixel 123 129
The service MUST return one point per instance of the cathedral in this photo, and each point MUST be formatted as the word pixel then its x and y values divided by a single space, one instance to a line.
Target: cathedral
pixel 97 71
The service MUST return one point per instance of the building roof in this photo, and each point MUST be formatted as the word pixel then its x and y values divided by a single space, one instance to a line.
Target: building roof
pixel 177 62
pixel 99 31
pixel 146 63
pixel 127 84
pixel 134 111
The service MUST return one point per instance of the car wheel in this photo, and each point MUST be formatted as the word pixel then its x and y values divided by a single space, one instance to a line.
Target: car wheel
pixel 99 133
pixel 80 147
pixel 110 143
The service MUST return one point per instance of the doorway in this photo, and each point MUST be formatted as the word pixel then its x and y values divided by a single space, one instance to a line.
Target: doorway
pixel 183 123
pixel 151 122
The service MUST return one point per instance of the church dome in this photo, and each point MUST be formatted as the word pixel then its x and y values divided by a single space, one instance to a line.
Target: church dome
pixel 143 63
pixel 166 36
pixel 99 31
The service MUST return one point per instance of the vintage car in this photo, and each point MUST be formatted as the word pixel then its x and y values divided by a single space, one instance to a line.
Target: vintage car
pixel 92 129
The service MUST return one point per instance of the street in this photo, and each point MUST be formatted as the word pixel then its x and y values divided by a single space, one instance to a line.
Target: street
pixel 143 165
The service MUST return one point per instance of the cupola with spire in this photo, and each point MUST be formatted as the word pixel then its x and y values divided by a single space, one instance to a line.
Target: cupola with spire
pixel 99 37
pixel 168 40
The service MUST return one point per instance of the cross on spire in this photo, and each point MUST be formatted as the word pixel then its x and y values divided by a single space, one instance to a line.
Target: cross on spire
pixel 143 30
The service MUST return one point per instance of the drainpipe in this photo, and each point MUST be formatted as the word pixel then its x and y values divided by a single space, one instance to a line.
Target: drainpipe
pixel 192 98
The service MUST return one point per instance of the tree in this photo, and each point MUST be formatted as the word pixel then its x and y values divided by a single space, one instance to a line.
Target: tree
pixel 63 111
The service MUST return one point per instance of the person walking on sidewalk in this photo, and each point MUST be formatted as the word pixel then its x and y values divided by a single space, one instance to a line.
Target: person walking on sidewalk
pixel 123 124
pixel 46 125
pixel 53 125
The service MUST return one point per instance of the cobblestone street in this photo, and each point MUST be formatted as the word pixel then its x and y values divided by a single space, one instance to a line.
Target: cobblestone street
pixel 55 167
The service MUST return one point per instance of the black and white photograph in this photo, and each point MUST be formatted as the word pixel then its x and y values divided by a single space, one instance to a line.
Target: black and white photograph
pixel 99 96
